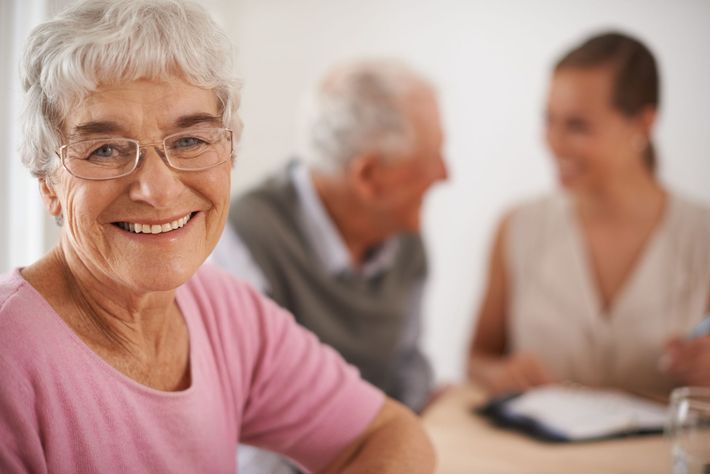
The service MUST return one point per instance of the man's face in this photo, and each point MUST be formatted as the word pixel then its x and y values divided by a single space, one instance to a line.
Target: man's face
pixel 404 180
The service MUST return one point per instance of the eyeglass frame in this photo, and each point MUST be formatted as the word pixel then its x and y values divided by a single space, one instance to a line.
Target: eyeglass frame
pixel 61 153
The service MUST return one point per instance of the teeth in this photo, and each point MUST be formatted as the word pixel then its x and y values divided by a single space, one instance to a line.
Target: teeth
pixel 154 228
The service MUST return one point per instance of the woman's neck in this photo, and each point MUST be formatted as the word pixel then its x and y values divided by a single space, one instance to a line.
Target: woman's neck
pixel 629 198
pixel 103 312
pixel 142 336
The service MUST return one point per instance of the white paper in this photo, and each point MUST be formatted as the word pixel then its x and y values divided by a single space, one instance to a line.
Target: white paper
pixel 581 413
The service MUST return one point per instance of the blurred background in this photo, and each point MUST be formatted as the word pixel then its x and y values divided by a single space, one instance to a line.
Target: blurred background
pixel 490 61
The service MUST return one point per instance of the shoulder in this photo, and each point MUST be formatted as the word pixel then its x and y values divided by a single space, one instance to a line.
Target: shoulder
pixel 410 244
pixel 266 213
pixel 688 226
pixel 529 216
pixel 10 285
pixel 16 308
pixel 536 207
pixel 531 226
pixel 30 332
pixel 273 192
pixel 20 306
pixel 691 214
pixel 234 313
pixel 213 288
pixel 411 255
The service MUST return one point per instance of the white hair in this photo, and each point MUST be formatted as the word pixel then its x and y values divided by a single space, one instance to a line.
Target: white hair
pixel 97 42
pixel 359 108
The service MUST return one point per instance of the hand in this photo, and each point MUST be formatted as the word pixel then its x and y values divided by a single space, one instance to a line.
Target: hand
pixel 688 361
pixel 515 373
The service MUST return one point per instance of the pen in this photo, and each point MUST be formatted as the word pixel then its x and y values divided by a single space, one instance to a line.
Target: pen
pixel 699 330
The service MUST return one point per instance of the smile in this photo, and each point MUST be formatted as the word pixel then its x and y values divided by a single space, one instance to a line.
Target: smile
pixel 139 228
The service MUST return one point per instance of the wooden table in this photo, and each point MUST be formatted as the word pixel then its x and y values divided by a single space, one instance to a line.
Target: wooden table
pixel 466 444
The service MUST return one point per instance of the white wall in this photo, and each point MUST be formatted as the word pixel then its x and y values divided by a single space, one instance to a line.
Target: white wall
pixel 27 229
pixel 490 60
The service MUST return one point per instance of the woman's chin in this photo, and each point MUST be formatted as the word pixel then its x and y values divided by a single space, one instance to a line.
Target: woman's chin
pixel 570 182
pixel 161 277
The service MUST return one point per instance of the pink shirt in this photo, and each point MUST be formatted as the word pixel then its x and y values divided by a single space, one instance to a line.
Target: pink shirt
pixel 257 377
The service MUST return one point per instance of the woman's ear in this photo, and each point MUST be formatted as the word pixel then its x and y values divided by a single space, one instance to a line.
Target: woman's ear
pixel 49 196
pixel 643 123
pixel 647 119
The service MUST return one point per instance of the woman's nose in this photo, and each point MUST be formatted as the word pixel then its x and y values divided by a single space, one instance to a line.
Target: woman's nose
pixel 155 182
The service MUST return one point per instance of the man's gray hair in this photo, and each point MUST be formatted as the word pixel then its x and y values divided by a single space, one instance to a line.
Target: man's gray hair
pixel 97 42
pixel 359 108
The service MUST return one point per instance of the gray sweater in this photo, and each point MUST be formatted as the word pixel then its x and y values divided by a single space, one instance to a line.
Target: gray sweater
pixel 365 319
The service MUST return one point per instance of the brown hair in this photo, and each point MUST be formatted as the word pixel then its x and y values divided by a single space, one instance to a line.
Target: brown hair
pixel 636 82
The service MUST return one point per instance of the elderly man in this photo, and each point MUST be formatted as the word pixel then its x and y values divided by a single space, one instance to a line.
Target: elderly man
pixel 336 240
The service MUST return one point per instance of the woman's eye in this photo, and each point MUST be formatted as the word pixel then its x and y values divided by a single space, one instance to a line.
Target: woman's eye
pixel 113 151
pixel 186 142
pixel 104 151
pixel 577 125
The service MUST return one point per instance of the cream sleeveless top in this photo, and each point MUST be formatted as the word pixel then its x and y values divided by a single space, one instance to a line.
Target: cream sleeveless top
pixel 555 310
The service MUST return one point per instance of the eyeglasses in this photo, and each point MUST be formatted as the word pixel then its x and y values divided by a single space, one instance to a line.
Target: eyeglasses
pixel 115 157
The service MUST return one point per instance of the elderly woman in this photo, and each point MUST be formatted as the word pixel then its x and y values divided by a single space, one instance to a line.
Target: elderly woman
pixel 119 352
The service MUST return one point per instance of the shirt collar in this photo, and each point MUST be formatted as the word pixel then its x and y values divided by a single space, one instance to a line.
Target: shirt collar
pixel 325 239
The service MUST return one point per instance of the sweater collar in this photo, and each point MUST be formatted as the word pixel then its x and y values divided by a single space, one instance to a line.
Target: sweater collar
pixel 325 239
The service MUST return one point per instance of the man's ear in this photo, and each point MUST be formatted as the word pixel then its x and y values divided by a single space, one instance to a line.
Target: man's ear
pixel 362 174
pixel 49 196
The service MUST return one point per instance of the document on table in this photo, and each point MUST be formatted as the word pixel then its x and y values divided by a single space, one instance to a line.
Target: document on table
pixel 573 413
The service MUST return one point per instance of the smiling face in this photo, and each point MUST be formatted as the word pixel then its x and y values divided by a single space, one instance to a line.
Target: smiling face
pixel 590 140
pixel 184 211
